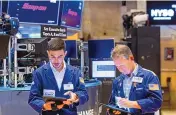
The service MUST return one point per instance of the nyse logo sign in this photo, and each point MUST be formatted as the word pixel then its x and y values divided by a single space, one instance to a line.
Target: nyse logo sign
pixel 162 14
pixel 86 112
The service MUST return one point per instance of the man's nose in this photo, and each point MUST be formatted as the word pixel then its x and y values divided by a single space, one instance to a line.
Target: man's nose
pixel 56 60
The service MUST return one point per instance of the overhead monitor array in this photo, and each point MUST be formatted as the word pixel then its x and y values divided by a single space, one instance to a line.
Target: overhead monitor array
pixel 36 12
pixel 53 12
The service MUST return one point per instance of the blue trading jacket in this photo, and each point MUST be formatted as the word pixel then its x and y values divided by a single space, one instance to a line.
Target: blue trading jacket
pixel 44 79
pixel 149 100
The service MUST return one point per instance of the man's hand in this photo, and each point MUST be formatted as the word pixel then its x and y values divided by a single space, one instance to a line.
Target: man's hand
pixel 73 98
pixel 114 112
pixel 47 105
pixel 128 104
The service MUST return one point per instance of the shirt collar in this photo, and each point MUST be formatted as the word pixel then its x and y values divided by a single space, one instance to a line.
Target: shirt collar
pixel 54 69
pixel 135 71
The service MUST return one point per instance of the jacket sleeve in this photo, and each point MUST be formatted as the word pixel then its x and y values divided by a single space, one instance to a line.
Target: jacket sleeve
pixel 112 96
pixel 35 97
pixel 154 100
pixel 81 89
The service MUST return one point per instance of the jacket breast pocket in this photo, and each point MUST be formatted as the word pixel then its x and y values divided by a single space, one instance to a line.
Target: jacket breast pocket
pixel 140 91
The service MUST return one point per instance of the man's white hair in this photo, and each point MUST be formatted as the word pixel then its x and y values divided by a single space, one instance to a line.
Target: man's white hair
pixel 121 50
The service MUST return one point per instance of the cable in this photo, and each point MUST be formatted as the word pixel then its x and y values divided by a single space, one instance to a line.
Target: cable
pixel 27 55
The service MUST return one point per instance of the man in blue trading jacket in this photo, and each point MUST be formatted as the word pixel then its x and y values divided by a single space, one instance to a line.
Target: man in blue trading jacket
pixel 136 90
pixel 57 79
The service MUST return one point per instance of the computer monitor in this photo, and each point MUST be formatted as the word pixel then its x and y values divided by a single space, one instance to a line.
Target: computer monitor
pixel 71 48
pixel 71 14
pixel 35 12
pixel 100 48
pixel 40 47
pixel 103 69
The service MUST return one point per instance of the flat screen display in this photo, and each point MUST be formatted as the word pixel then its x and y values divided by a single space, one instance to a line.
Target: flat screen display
pixel 71 48
pixel 71 15
pixel 36 12
pixel 100 48
pixel 103 69
pixel 161 12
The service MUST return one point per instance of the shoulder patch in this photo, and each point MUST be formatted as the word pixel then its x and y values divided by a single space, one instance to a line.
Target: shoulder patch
pixel 153 87
pixel 81 79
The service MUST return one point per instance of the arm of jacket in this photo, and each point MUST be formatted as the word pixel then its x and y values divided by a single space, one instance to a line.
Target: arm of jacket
pixel 81 89
pixel 35 97
pixel 113 94
pixel 154 100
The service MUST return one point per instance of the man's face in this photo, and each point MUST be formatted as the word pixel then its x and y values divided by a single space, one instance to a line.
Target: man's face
pixel 56 58
pixel 123 65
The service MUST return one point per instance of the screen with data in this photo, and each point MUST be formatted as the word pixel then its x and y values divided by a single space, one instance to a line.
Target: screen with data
pixel 103 69
pixel 37 12
pixel 71 15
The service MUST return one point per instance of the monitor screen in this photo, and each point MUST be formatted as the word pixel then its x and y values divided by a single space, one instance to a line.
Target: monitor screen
pixel 71 48
pixel 100 48
pixel 37 12
pixel 71 14
pixel 103 69
pixel 161 12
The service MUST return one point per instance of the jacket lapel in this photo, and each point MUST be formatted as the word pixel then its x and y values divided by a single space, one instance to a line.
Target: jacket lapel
pixel 50 75
pixel 68 76
pixel 120 87
pixel 133 87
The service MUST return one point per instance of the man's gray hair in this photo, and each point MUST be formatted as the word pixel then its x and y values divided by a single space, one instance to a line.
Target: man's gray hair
pixel 121 50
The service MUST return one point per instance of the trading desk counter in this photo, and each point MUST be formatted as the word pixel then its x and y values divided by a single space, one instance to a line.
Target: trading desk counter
pixel 14 101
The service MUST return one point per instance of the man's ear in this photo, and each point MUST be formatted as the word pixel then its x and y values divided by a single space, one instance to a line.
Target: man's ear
pixel 65 53
pixel 131 57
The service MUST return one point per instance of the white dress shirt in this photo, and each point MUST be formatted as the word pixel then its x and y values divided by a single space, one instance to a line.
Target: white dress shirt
pixel 59 76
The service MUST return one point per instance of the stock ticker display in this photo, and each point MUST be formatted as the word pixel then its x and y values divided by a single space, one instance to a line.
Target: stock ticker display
pixel 37 12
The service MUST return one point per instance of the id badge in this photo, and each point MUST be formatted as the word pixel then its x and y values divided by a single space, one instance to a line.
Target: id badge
pixel 137 79
pixel 48 92
pixel 68 86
